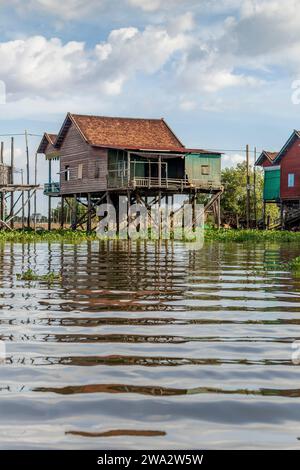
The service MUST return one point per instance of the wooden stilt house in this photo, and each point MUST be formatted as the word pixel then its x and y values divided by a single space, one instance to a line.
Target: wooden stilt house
pixel 101 158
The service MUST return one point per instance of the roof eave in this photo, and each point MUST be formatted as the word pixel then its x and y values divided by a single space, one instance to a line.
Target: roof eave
pixel 284 148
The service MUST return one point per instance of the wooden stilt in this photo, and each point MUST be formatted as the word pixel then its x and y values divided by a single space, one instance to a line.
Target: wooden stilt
pixel 89 214
pixel 62 214
pixel 264 215
pixel 12 181
pixel 219 212
pixel 194 202
pixel 49 212
pixel 27 179
pixel 74 213
pixel 281 215
pixel 172 217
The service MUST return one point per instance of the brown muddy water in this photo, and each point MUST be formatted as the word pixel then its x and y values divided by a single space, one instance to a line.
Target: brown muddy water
pixel 149 346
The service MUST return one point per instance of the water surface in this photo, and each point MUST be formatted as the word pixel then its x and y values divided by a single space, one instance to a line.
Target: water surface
pixel 149 346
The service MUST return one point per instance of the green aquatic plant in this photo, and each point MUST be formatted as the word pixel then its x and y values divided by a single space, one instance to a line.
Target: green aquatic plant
pixel 210 234
pixel 241 235
pixel 294 265
pixel 30 275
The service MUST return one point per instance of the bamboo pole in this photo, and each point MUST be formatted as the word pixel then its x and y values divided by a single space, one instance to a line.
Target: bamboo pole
pixel 12 164
pixel 23 199
pixel 254 190
pixel 35 182
pixel 248 188
pixel 27 177
pixel 2 194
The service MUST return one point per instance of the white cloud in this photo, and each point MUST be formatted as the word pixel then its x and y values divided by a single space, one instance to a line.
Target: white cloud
pixel 41 66
pixel 37 66
pixel 67 9
pixel 229 160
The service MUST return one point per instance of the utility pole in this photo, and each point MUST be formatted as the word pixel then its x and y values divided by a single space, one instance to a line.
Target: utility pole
pixel 35 182
pixel 12 165
pixel 23 199
pixel 27 177
pixel 254 189
pixel 248 188
pixel 2 194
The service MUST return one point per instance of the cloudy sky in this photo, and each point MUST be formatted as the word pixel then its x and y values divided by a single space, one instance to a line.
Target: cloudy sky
pixel 220 71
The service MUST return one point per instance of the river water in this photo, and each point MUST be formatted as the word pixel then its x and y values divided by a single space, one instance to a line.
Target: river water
pixel 149 346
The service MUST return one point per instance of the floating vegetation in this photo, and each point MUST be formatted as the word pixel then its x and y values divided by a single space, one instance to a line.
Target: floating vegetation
pixel 30 275
pixel 210 234
pixel 118 433
pixel 240 235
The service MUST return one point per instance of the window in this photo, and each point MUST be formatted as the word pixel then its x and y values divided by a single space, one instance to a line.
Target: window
pixel 97 169
pixel 67 173
pixel 291 180
pixel 121 169
pixel 80 171
pixel 205 169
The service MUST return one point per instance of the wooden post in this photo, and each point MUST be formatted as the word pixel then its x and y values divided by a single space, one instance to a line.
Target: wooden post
pixel 49 197
pixel 23 200
pixel 12 164
pixel 264 215
pixel 282 215
pixel 172 217
pixel 49 213
pixel 248 188
pixel 27 178
pixel 194 201
pixel 254 190
pixel 74 213
pixel 159 217
pixel 35 182
pixel 219 212
pixel 159 171
pixel 89 216
pixel 1 194
pixel 62 216
pixel 128 169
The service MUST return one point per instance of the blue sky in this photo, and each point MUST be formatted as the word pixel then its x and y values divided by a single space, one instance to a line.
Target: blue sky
pixel 220 72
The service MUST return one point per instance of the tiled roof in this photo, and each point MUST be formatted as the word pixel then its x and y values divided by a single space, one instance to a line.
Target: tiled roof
pixel 126 132
pixel 52 138
pixel 271 155
pixel 46 140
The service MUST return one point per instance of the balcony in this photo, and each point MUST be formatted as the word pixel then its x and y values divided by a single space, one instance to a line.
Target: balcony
pixel 52 189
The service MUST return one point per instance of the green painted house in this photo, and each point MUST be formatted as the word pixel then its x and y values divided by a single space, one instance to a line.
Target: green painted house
pixel 271 184
pixel 271 192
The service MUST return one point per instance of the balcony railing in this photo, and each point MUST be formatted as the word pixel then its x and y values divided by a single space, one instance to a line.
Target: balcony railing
pixel 51 188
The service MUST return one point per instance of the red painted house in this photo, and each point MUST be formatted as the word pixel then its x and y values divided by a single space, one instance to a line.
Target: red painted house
pixel 266 158
pixel 289 160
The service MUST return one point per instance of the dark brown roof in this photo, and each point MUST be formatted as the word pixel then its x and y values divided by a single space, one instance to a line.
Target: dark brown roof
pixel 266 154
pixel 46 140
pixel 271 155
pixel 126 132
pixel 52 138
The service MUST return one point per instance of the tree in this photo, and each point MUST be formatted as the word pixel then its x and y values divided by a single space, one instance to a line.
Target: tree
pixel 234 198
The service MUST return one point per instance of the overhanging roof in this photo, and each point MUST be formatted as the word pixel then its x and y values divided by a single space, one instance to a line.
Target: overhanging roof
pixel 295 135
pixel 270 156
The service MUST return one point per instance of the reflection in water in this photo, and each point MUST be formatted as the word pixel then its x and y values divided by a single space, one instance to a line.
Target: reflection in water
pixel 118 432
pixel 148 340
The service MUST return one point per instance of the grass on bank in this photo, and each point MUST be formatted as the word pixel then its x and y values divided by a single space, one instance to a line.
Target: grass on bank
pixel 30 275
pixel 222 235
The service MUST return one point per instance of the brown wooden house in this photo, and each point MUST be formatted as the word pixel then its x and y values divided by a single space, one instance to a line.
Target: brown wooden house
pixel 102 157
